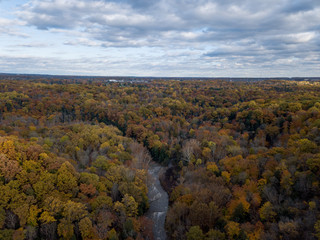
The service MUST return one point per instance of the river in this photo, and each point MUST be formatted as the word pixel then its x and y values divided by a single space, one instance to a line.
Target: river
pixel 158 200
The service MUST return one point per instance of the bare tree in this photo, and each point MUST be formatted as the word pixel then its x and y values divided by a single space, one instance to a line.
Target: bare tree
pixel 141 156
pixel 189 149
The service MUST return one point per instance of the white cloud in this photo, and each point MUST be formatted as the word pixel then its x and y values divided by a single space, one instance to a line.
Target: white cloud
pixel 10 27
pixel 302 37
pixel 217 35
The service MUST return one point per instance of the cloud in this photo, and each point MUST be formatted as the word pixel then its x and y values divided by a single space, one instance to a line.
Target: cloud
pixel 141 19
pixel 221 32
pixel 32 45
pixel 9 27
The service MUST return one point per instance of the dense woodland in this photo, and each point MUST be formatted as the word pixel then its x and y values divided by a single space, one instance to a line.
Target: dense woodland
pixel 243 158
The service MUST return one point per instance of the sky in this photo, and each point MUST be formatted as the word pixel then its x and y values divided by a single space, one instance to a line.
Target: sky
pixel 161 38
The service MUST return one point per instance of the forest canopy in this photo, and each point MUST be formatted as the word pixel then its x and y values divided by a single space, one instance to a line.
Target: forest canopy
pixel 243 158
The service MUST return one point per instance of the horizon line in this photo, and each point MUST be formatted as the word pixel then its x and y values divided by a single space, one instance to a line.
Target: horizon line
pixel 132 76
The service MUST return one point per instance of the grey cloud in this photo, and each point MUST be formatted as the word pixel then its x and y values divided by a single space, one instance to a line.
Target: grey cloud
pixel 143 18
pixel 227 31
pixel 301 6
pixel 139 4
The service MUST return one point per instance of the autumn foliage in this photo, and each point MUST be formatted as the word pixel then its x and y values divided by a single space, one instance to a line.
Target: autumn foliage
pixel 243 157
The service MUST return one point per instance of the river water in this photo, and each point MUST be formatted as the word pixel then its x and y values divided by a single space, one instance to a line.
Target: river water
pixel 158 200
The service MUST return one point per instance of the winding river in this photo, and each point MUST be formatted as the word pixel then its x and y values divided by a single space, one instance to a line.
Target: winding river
pixel 158 200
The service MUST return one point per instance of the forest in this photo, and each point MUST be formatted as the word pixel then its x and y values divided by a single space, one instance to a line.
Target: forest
pixel 242 158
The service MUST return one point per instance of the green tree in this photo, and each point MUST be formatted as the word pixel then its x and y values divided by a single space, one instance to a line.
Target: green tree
pixel 131 206
pixel 85 227
pixel 195 233
pixel 67 178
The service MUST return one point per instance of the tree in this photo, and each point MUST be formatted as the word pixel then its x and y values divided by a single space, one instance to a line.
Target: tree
pixel 131 206
pixel 102 163
pixel 85 227
pixel 2 217
pixel 67 178
pixel 266 212
pixel 9 168
pixel 232 229
pixel 46 218
pixel 45 185
pixel 195 233
pixel 317 229
pixel 289 229
pixel 65 229
pixel 189 149
pixel 215 235
pixel 102 202
pixel 33 215
pixel 88 189
pixel 305 145
pixel 141 156
pixel 199 214
pixel 18 234
pixel 74 211
pixel 112 235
